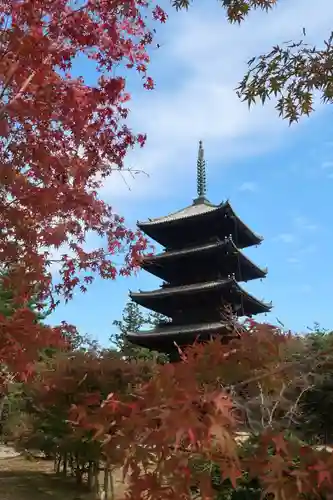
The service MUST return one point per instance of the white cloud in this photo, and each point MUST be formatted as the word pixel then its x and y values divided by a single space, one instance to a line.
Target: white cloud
pixel 327 164
pixel 285 237
pixel 202 58
pixel 309 249
pixel 306 288
pixel 302 252
pixel 293 260
pixel 251 187
pixel 303 224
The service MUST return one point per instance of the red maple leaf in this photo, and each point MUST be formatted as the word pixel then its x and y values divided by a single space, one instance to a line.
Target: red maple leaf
pixel 324 473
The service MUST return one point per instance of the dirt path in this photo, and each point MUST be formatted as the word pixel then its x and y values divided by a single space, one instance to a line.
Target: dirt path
pixel 22 479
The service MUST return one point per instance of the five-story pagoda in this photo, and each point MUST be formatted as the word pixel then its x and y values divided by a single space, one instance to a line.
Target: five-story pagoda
pixel 201 266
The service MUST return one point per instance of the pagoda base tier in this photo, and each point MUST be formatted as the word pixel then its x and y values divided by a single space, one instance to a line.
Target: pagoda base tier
pixel 166 338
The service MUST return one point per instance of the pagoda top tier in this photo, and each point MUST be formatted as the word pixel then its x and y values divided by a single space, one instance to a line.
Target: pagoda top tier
pixel 201 222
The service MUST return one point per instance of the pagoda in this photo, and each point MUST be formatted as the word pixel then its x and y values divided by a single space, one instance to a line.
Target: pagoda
pixel 201 267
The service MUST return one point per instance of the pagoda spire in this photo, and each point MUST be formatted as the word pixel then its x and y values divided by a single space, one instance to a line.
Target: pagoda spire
pixel 201 173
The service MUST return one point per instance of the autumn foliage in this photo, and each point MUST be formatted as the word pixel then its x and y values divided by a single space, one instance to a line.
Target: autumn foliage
pixel 82 380
pixel 59 139
pixel 158 422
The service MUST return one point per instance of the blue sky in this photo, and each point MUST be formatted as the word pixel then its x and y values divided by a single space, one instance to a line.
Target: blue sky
pixel 279 179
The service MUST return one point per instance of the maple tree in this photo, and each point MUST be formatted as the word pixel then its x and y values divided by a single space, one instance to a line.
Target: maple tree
pixel 14 405
pixel 8 304
pixel 237 10
pixel 81 379
pixel 294 72
pixel 195 410
pixel 219 422
pixel 59 139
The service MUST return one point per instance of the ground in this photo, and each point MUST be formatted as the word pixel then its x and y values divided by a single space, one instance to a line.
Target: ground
pixel 22 479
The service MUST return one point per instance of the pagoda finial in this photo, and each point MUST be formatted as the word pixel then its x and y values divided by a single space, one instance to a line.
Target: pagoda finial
pixel 201 172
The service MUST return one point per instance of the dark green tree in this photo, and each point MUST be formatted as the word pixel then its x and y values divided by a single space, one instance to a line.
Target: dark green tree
pixel 133 319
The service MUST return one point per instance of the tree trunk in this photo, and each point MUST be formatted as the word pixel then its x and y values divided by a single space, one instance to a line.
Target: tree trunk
pixel 57 463
pixel 64 464
pixel 78 472
pixel 96 479
pixel 106 481
pixel 112 492
pixel 2 407
pixel 89 476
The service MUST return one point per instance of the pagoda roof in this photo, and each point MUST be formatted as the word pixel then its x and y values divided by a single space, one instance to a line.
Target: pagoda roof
pixel 203 212
pixel 164 264
pixel 163 338
pixel 167 298
pixel 192 210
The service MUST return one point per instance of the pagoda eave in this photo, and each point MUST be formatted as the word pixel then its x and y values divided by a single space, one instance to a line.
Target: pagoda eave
pixel 177 265
pixel 167 274
pixel 215 293
pixel 200 216
pixel 170 336
pixel 253 238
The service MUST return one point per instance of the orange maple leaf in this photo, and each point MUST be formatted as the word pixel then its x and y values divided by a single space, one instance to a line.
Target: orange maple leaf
pixel 280 443
pixel 233 473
